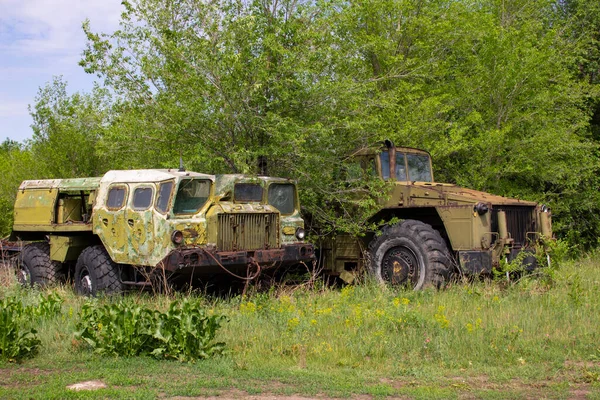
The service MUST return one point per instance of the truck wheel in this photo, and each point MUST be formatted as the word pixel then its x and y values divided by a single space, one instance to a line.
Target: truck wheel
pixel 34 266
pixel 96 273
pixel 410 253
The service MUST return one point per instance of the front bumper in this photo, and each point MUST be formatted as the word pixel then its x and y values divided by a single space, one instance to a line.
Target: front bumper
pixel 182 259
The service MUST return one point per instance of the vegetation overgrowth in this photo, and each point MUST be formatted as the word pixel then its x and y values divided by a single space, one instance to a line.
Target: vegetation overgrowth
pixel 532 337
pixel 504 94
pixel 183 332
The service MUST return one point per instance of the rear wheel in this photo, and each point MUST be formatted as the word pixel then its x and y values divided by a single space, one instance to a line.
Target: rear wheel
pixel 34 266
pixel 410 253
pixel 96 273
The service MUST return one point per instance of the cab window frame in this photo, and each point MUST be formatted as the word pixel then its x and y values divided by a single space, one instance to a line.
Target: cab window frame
pixel 294 196
pixel 150 204
pixel 123 200
pixel 176 193
pixel 169 200
pixel 236 199
pixel 410 161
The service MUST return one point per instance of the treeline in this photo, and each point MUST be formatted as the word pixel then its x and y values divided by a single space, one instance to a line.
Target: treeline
pixel 505 94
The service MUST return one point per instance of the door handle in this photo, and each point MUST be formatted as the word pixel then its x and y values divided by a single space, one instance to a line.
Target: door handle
pixel 130 222
pixel 105 221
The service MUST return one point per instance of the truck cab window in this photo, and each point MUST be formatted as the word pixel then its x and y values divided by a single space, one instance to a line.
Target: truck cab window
pixel 282 197
pixel 116 198
pixel 191 195
pixel 243 192
pixel 164 195
pixel 419 168
pixel 400 167
pixel 384 157
pixel 142 198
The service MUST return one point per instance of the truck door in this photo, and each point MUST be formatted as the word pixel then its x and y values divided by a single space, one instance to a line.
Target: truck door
pixel 110 224
pixel 140 223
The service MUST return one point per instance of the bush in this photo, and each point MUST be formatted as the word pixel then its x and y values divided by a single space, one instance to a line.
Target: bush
pixel 16 341
pixel 184 332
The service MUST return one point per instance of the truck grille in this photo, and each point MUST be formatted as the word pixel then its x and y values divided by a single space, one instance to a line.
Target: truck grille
pixel 248 231
pixel 519 221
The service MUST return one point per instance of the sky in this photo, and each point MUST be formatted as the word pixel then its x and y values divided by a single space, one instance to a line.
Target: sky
pixel 40 39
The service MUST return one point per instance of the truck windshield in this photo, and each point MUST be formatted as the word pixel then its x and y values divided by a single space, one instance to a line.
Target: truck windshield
pixel 191 195
pixel 418 168
pixel 247 192
pixel 282 197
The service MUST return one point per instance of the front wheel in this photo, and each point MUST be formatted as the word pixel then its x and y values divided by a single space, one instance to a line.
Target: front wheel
pixel 96 273
pixel 410 253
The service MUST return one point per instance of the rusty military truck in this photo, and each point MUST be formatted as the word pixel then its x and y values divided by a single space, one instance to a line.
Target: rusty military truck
pixel 439 228
pixel 132 228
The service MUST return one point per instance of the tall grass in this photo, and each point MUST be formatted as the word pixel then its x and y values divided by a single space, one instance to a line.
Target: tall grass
pixel 380 329
pixel 544 325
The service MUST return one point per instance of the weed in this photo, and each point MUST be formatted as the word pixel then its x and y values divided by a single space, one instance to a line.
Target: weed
pixel 184 332
pixel 16 341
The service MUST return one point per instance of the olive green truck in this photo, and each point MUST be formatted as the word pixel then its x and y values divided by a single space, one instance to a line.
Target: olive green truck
pixel 130 229
pixel 432 230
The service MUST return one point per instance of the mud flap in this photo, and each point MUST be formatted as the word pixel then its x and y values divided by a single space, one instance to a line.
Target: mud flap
pixel 475 262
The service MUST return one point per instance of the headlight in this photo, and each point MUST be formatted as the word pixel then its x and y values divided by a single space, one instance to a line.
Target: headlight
pixel 545 208
pixel 300 234
pixel 177 237
pixel 480 208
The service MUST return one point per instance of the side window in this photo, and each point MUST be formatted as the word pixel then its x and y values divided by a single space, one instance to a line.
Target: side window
pixel 164 195
pixel 400 167
pixel 142 198
pixel 354 171
pixel 372 167
pixel 116 197
pixel 384 157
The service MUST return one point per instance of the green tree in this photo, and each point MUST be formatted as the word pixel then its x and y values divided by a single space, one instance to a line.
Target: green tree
pixel 66 129
pixel 491 87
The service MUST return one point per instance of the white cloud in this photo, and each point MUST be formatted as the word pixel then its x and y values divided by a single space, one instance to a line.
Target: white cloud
pixel 41 26
pixel 40 39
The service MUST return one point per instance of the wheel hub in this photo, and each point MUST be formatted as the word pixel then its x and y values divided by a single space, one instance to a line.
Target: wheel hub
pixel 86 285
pixel 23 277
pixel 400 267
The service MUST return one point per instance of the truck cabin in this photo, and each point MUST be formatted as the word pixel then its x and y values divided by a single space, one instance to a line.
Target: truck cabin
pixel 277 192
pixel 403 164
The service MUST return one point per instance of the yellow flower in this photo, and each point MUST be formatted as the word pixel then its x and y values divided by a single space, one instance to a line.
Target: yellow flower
pixel 248 308
pixel 440 317
pixel 293 323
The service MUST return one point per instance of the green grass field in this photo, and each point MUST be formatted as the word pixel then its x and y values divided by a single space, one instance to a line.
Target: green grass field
pixel 536 338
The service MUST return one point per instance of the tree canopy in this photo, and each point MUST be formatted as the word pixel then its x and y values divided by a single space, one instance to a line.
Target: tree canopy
pixel 503 93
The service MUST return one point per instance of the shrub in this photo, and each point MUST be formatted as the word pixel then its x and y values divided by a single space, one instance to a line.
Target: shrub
pixel 184 332
pixel 16 341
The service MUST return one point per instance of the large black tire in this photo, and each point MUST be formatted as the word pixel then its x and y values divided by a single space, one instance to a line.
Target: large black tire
pixel 410 253
pixel 34 266
pixel 96 273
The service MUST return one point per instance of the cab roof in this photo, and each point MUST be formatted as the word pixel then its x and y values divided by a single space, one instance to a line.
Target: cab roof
pixel 150 175
pixel 75 184
pixel 376 150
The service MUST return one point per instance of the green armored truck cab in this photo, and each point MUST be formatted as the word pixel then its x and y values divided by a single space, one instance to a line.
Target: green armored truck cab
pixel 132 228
pixel 442 228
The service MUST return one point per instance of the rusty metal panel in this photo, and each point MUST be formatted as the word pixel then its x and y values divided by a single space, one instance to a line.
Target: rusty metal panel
pixel 35 206
pixel 248 231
